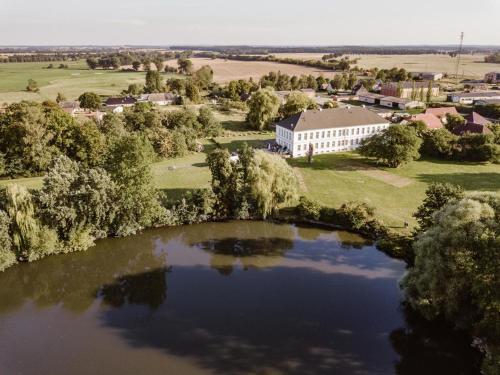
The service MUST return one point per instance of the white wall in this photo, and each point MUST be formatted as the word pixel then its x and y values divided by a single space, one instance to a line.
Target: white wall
pixel 326 140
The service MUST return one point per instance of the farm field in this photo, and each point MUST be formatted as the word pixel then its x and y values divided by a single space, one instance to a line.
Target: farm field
pixel 71 82
pixel 227 70
pixel 471 66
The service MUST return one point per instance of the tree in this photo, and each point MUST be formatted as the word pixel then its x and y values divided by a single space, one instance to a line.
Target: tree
pixel 77 199
pixel 128 163
pixel 158 61
pixel 272 183
pixel 92 63
pixel 31 240
pixel 296 102
pixel 192 92
pixel 428 94
pixel 392 146
pixel 455 276
pixel 134 89
pixel 32 86
pixel 60 98
pixel 90 101
pixel 439 143
pixel 185 66
pixel 264 106
pixel 154 82
pixel 204 76
pixel 7 256
pixel 85 143
pixel 211 126
pixel 437 196
pixel 453 120
pixel 136 65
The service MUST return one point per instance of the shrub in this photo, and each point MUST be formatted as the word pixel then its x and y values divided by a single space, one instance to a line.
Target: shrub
pixel 309 209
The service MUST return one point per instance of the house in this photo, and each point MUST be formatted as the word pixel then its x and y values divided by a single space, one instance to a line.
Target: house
pixel 429 119
pixel 428 76
pixel 409 89
pixel 476 119
pixel 71 107
pixel 400 103
pixel 328 130
pixel 475 124
pixel 492 77
pixel 441 112
pixel 159 98
pixel 124 102
pixel 471 97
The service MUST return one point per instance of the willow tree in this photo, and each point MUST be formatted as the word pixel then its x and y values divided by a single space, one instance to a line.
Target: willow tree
pixel 456 272
pixel 7 256
pixel 31 240
pixel 264 106
pixel 272 183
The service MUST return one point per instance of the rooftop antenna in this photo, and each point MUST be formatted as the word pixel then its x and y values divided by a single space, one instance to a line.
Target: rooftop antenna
pixel 459 54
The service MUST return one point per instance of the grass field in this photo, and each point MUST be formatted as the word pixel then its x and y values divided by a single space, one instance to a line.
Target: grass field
pixel 71 82
pixel 396 193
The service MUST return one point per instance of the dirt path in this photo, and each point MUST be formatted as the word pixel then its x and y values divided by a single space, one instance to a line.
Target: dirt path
pixel 300 179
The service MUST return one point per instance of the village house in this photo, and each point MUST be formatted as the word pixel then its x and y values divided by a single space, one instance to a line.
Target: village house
pixel 72 107
pixel 124 102
pixel 409 90
pixel 475 124
pixel 329 130
pixel 430 120
pixel 492 77
pixel 471 97
pixel 159 98
pixel 441 112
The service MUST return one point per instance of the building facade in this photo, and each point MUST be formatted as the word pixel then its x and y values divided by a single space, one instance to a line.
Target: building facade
pixel 471 97
pixel 329 130
pixel 409 90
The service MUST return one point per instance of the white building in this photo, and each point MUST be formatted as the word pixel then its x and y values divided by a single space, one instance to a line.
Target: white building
pixel 328 130
pixel 471 97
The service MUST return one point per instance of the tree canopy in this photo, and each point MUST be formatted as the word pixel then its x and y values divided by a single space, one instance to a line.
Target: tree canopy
pixel 264 106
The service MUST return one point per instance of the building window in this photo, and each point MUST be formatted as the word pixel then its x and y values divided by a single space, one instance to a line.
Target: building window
pixel 357 130
pixel 352 131
pixel 316 146
pixel 322 134
pixel 362 130
pixel 298 148
pixel 322 145
pixel 328 134
pixel 334 133
pixel 327 144
pixel 317 135
pixel 305 136
pixel 299 137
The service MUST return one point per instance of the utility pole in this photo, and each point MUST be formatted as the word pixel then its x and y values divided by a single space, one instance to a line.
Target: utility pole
pixel 459 55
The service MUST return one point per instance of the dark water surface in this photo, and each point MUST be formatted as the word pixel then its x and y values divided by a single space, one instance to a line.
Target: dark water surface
pixel 225 298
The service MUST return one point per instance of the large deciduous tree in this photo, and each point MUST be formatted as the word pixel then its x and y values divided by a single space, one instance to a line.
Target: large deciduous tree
pixel 393 146
pixel 264 106
pixel 154 82
pixel 90 101
pixel 296 102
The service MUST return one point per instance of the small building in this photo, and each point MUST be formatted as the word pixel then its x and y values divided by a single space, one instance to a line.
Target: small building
pixel 127 101
pixel 492 77
pixel 429 119
pixel 400 103
pixel 409 89
pixel 476 119
pixel 166 98
pixel 428 76
pixel 70 106
pixel 483 102
pixel 369 97
pixel 328 130
pixel 471 97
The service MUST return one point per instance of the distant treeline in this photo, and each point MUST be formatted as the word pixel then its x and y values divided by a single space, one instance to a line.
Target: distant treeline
pixel 380 50
pixel 332 64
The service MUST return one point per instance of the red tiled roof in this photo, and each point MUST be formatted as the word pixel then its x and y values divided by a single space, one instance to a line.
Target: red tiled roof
pixel 471 128
pixel 476 118
pixel 431 120
pixel 442 111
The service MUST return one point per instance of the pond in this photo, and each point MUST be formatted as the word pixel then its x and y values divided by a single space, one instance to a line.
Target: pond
pixel 220 298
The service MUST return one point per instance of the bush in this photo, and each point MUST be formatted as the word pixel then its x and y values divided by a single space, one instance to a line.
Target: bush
pixel 397 246
pixel 309 209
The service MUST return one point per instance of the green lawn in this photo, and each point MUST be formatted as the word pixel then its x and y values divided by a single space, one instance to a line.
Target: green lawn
pixel 71 82
pixel 336 178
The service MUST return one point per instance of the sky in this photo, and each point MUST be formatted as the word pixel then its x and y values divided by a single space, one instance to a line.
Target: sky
pixel 253 22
